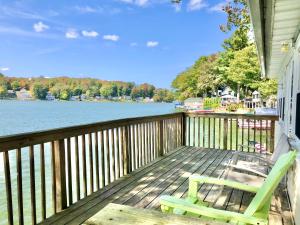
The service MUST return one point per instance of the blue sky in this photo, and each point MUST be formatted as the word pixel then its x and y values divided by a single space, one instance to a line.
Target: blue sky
pixel 130 40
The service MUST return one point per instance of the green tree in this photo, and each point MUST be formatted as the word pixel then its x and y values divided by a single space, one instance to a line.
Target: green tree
pixel 243 69
pixel 39 91
pixel 267 88
pixel 65 94
pixel 3 88
pixel 163 95
pixel 15 85
pixel 106 90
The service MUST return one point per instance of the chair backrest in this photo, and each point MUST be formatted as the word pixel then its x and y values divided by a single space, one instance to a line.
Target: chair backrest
pixel 278 171
pixel 282 147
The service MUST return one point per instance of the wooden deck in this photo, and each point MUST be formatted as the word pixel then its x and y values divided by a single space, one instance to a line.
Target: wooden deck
pixel 168 175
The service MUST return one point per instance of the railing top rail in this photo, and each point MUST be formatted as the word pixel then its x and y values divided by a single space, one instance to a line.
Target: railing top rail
pixel 32 138
pixel 234 115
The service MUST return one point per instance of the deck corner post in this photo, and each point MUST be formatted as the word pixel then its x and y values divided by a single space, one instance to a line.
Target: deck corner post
pixel 60 175
pixel 225 134
pixel 161 138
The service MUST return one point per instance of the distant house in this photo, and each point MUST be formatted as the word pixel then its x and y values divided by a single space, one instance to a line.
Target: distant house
pixel 75 98
pixel 83 97
pixel 11 94
pixel 227 99
pixel 49 97
pixel 147 99
pixel 23 94
pixel 193 103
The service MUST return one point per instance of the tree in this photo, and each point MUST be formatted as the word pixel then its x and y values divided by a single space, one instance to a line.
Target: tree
pixel 243 69
pixel 65 94
pixel 39 91
pixel 15 85
pixel 163 95
pixel 267 88
pixel 106 90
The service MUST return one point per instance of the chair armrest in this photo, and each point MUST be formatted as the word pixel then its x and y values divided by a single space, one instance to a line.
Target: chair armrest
pixel 194 181
pixel 169 203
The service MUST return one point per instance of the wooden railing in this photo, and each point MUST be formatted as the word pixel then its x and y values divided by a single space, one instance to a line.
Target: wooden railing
pixel 48 171
pixel 230 131
pixel 78 160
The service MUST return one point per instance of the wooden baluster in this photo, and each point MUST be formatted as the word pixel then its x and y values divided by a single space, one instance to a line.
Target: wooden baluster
pixel 161 138
pixel 135 151
pixel 53 177
pixel 32 185
pixel 102 159
pixel 107 159
pixel 209 128
pixel 203 129
pixel 254 130
pixel 194 131
pixel 9 204
pixel 97 159
pixel 125 150
pixel 84 165
pixel 189 130
pixel 60 173
pixel 20 188
pixel 231 134
pixel 121 150
pixel 260 133
pixel 42 175
pixel 77 173
pixel 69 161
pixel 236 134
pixel 117 154
pixel 199 133
pixel 272 136
pixel 91 162
pixel 248 135
pixel 220 124
pixel 266 130
pixel 225 133
pixel 145 144
pixel 214 133
pixel 129 158
pixel 113 160
pixel 183 129
pixel 140 145
pixel 243 133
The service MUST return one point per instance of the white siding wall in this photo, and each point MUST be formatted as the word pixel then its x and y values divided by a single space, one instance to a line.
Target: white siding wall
pixel 290 83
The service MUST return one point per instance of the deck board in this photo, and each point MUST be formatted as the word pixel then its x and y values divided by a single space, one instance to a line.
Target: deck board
pixel 169 176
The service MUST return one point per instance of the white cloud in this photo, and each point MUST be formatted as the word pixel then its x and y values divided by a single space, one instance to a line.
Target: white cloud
pixel 4 69
pixel 152 44
pixel 91 33
pixel 111 37
pixel 40 27
pixel 136 2
pixel 196 5
pixel 71 34
pixel 219 7
pixel 88 9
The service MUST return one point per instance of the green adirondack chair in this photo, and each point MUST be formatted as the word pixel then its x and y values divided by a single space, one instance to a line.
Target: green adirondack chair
pixel 257 211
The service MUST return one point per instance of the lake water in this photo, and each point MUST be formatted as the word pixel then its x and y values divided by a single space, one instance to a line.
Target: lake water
pixel 28 116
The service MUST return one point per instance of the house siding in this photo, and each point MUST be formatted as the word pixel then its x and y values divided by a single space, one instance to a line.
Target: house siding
pixel 289 87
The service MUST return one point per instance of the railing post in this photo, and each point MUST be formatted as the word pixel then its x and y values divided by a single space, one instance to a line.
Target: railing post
pixel 60 175
pixel 225 133
pixel 161 138
pixel 183 127
pixel 272 136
